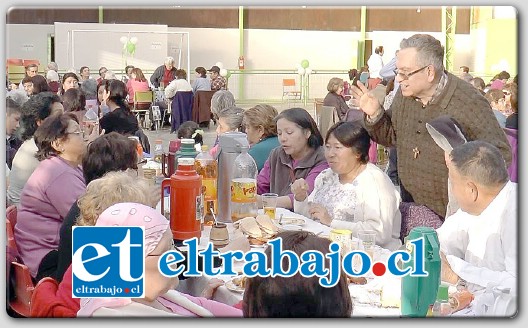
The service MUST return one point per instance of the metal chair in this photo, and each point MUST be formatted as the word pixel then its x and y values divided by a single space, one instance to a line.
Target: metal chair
pixel 289 90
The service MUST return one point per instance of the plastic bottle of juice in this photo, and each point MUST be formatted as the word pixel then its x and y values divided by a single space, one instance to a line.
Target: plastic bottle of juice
pixel 244 186
pixel 207 167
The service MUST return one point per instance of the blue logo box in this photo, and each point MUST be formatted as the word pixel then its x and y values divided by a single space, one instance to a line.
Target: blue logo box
pixel 108 262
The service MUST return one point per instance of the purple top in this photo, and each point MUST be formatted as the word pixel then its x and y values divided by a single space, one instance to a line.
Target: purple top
pixel 263 179
pixel 216 308
pixel 45 200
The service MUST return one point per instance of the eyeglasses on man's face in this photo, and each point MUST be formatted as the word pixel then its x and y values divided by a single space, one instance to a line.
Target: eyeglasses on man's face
pixel 406 76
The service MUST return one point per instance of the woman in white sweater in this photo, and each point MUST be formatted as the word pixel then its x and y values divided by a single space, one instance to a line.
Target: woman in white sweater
pixel 353 193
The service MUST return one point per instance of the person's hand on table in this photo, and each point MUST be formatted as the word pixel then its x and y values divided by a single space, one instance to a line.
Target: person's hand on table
pixel 299 189
pixel 447 274
pixel 211 288
pixel 319 212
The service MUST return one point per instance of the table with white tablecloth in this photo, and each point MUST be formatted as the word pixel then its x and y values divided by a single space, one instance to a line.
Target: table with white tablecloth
pixel 366 298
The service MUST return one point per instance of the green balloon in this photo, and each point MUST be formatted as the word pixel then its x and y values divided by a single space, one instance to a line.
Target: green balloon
pixel 305 63
pixel 131 48
pixel 228 74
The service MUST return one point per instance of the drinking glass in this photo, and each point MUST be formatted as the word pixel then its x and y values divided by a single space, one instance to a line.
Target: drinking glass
pixel 269 203
pixel 367 241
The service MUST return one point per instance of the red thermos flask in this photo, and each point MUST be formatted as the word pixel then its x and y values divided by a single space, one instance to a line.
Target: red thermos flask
pixel 186 201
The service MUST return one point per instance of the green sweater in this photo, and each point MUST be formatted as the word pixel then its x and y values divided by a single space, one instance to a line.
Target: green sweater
pixel 403 126
pixel 261 150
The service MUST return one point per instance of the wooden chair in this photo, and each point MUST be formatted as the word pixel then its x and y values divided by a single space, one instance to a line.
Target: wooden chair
pixel 201 111
pixel 289 90
pixel 318 104
pixel 142 103
pixel 328 118
pixel 181 107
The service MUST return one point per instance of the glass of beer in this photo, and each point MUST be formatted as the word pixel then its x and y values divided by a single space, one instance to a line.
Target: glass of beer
pixel 269 203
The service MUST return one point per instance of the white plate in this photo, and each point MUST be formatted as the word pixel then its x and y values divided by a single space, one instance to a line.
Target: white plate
pixel 292 221
pixel 233 287
pixel 291 227
pixel 258 246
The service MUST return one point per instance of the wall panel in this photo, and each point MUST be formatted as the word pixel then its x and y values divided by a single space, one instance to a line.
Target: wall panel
pixel 281 18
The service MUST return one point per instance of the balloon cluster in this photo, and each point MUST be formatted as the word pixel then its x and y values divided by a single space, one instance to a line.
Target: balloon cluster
pixel 223 72
pixel 304 67
pixel 129 44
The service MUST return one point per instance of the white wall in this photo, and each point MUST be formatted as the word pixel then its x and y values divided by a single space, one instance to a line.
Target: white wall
pixel 95 45
pixel 28 41
pixel 264 49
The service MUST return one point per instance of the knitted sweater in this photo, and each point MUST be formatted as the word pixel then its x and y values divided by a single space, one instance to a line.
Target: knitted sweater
pixel 280 171
pixel 425 175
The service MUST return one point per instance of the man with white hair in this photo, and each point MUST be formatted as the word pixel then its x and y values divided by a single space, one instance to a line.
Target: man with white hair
pixel 427 91
pixel 164 74
pixel 479 241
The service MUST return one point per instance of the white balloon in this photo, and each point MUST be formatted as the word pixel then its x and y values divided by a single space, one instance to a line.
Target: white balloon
pixel 308 70
pixel 123 39
pixel 223 72
pixel 301 71
pixel 133 40
pixel 220 65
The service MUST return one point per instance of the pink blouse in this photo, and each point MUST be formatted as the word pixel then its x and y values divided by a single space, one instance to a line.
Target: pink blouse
pixel 135 85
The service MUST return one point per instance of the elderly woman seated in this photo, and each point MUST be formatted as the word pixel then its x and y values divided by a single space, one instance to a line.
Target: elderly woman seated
pixel 300 155
pixel 335 98
pixel 51 189
pixel 160 297
pixel 353 193
pixel 52 299
pixel 229 120
pixel 261 132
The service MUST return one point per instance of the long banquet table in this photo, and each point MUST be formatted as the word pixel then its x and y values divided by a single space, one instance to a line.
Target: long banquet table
pixel 366 298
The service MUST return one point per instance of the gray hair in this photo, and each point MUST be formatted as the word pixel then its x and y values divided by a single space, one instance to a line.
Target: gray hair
pixel 89 87
pixel 52 75
pixel 430 50
pixel 480 161
pixel 53 66
pixel 17 95
pixel 110 75
pixel 221 99
pixel 233 117
pixel 169 60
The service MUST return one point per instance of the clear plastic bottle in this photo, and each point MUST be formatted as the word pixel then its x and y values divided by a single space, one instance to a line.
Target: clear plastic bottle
pixel 207 167
pixel 441 306
pixel 158 150
pixel 244 186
